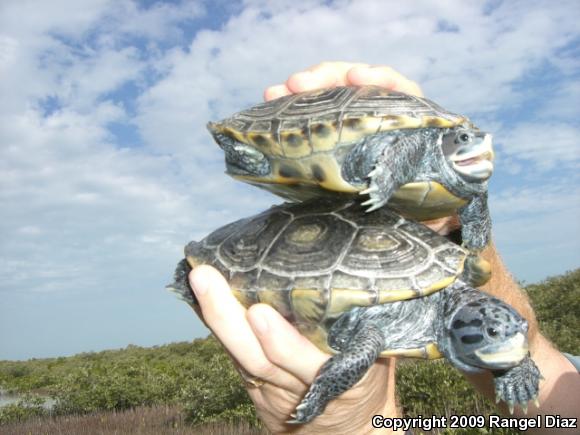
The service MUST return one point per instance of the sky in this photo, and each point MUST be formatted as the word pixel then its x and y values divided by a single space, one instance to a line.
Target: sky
pixel 107 170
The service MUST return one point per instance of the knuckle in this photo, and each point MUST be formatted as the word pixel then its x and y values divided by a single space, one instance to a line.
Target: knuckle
pixel 265 370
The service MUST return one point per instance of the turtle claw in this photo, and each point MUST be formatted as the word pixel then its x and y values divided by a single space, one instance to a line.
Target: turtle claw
pixel 293 421
pixel 376 171
pixel 374 207
pixel 510 405
pixel 372 189
pixel 380 187
pixel 375 201
pixel 518 385
pixel 524 407
pixel 306 410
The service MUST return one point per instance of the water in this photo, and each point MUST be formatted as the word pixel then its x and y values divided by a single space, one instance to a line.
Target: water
pixel 8 399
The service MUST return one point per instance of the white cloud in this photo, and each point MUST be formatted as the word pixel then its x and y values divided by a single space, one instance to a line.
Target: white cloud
pixel 546 144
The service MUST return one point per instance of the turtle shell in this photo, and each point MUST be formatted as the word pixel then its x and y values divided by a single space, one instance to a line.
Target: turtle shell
pixel 313 261
pixel 306 137
pixel 303 124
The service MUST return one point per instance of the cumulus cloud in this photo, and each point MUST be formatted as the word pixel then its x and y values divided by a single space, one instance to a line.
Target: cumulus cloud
pixel 546 145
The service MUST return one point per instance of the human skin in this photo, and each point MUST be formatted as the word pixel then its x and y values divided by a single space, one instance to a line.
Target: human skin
pixel 265 345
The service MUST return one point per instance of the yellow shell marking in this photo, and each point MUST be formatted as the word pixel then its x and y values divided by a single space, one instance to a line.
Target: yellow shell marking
pixel 393 122
pixel 321 169
pixel 295 144
pixel 438 285
pixel 372 242
pixel 306 233
pixel 396 295
pixel 436 121
pixel 332 177
pixel 264 142
pixel 237 135
pixel 356 128
pixel 276 299
pixel 323 136
pixel 430 351
pixel 308 304
pixel 425 200
pixel 342 299
pixel 243 297
pixel 262 180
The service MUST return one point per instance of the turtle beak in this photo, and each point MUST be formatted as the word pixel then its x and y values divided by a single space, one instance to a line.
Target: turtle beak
pixel 505 354
pixel 474 161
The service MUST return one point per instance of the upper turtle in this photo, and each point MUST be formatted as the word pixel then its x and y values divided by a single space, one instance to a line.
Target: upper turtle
pixel 302 145
pixel 425 161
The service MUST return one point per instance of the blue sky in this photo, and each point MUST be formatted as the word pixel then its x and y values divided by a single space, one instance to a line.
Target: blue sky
pixel 106 169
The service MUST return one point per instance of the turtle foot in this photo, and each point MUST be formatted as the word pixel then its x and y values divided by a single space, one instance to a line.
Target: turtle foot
pixel 518 385
pixel 379 194
pixel 476 270
pixel 340 372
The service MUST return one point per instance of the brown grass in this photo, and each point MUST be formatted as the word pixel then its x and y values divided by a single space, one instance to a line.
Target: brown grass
pixel 159 420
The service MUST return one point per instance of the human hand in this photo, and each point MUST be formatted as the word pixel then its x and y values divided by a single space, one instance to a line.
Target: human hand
pixel 266 346
pixel 330 74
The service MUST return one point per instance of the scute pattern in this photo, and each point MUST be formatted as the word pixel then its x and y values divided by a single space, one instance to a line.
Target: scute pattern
pixel 296 126
pixel 313 261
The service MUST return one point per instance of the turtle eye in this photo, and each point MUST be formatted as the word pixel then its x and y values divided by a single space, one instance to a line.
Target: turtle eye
pixel 464 138
pixel 492 332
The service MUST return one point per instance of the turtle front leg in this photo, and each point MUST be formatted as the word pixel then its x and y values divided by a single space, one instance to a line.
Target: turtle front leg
pixel 518 385
pixel 476 233
pixel 340 373
pixel 398 164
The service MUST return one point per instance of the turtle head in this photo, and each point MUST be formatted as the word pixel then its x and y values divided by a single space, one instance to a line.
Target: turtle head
pixel 487 333
pixel 241 159
pixel 469 152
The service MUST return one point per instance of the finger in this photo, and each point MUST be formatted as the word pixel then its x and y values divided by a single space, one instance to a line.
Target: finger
pixel 323 75
pixel 384 76
pixel 309 81
pixel 276 91
pixel 445 225
pixel 226 317
pixel 284 345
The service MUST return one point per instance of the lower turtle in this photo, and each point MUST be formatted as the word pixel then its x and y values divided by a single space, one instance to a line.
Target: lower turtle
pixel 363 286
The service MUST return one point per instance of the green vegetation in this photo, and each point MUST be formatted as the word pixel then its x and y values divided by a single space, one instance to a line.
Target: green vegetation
pixel 199 379
pixel 557 305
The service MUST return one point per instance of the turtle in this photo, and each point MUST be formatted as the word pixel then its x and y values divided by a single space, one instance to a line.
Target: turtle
pixel 425 161
pixel 362 286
